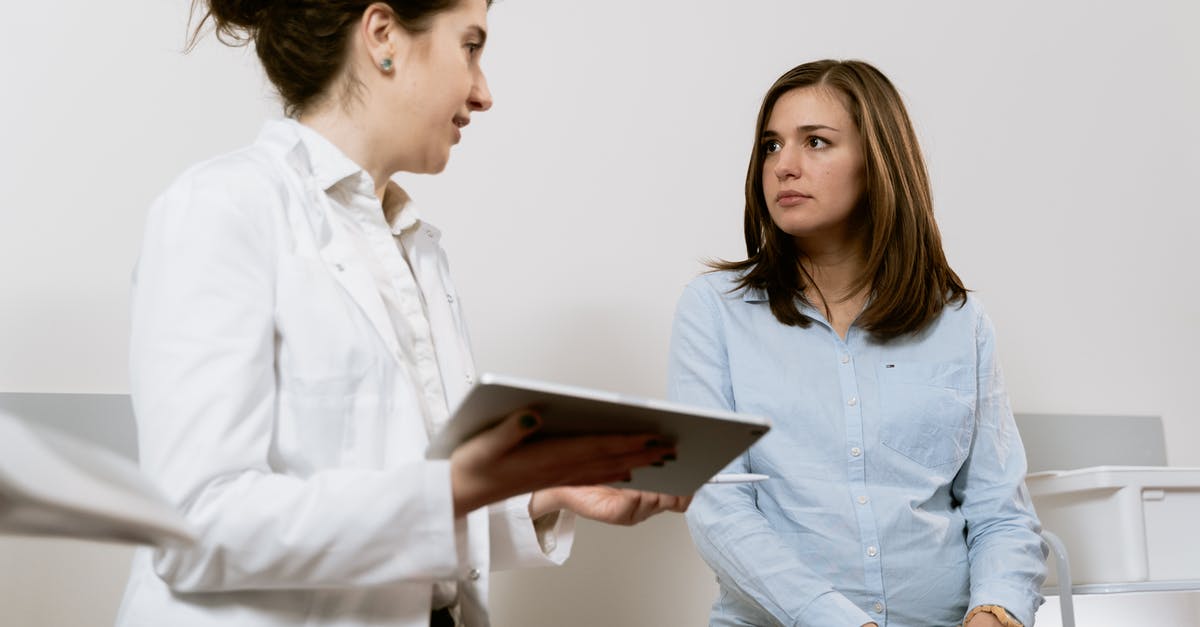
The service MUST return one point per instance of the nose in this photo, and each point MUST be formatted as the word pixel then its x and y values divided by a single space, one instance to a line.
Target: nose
pixel 787 165
pixel 480 98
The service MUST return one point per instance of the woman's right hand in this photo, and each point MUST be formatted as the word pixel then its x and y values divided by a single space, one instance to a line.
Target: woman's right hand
pixel 500 462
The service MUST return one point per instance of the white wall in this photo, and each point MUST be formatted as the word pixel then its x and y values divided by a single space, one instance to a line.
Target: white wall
pixel 1062 140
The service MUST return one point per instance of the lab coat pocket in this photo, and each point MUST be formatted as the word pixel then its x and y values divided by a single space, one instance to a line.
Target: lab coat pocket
pixel 928 410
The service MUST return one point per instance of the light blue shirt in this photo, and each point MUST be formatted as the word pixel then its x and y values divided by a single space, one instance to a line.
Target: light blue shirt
pixel 897 488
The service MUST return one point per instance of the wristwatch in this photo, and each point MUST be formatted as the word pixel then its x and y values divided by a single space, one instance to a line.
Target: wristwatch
pixel 1000 613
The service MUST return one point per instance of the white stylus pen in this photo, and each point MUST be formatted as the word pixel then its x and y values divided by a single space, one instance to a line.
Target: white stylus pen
pixel 737 478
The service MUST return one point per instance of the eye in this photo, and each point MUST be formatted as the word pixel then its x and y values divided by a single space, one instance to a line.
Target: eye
pixel 771 146
pixel 473 48
pixel 816 142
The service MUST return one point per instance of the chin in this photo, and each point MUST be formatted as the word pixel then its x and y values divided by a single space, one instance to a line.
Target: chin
pixel 437 164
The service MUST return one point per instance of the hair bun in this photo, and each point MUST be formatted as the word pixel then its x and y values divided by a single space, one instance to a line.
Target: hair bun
pixel 244 14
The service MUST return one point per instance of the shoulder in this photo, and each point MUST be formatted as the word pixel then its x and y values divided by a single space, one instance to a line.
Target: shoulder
pixel 970 308
pixel 713 300
pixel 718 286
pixel 967 317
pixel 247 174
pixel 246 187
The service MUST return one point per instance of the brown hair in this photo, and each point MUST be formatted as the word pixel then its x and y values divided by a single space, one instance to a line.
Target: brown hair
pixel 905 269
pixel 302 43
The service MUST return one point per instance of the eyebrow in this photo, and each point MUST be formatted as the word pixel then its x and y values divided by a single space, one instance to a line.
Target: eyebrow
pixel 478 31
pixel 807 128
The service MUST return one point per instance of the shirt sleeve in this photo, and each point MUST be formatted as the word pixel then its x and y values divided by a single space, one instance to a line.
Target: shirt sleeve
pixel 1004 546
pixel 204 391
pixel 730 532
pixel 519 542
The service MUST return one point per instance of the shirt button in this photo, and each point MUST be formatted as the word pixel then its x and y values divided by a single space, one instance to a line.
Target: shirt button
pixel 449 298
pixel 855 451
pixel 872 551
pixel 862 500
pixel 852 402
pixel 845 359
pixel 470 380
pixel 878 606
pixel 473 575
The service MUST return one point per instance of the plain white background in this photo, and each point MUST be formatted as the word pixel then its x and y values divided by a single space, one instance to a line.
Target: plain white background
pixel 1061 138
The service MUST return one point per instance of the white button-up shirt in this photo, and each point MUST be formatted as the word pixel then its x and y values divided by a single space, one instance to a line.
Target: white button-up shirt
pixel 294 344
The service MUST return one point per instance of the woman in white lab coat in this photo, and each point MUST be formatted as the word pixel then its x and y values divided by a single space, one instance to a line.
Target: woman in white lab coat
pixel 296 339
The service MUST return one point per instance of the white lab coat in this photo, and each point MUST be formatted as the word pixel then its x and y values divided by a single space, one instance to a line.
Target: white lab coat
pixel 277 410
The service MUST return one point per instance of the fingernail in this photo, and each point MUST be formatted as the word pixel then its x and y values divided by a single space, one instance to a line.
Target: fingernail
pixel 528 421
pixel 653 443
pixel 669 457
pixel 659 464
pixel 627 479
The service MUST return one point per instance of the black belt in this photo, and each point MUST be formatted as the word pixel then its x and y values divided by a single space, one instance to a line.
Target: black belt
pixel 441 618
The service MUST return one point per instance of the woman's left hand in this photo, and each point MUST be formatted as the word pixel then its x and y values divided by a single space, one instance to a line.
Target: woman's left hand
pixel 614 506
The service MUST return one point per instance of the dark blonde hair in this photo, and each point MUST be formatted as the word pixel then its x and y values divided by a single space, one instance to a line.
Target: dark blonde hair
pixel 906 269
pixel 302 43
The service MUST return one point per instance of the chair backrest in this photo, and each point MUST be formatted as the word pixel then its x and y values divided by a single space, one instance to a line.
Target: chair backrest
pixel 102 419
pixel 1066 442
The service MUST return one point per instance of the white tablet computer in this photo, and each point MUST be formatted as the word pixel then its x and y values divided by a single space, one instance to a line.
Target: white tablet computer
pixel 706 440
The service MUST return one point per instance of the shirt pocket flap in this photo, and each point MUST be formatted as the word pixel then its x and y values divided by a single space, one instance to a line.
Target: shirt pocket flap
pixel 928 410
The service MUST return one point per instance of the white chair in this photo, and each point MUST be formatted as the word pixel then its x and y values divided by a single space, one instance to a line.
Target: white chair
pixel 1068 442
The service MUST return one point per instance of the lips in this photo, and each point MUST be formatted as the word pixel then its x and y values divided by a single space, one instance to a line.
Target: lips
pixel 790 194
pixel 791 198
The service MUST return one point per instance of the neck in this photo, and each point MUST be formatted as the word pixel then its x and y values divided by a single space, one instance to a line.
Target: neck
pixel 353 138
pixel 833 267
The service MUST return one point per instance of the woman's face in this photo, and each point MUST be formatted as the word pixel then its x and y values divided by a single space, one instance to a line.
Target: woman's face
pixel 439 85
pixel 814 172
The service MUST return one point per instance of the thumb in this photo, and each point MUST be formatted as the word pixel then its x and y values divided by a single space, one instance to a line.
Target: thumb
pixel 511 431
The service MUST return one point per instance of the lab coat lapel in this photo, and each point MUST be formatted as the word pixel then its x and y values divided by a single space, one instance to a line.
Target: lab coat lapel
pixel 350 270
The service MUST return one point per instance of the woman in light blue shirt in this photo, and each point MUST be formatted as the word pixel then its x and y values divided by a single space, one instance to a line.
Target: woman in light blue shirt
pixel 896 493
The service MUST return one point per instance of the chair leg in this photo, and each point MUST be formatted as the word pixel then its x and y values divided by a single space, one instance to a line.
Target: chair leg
pixel 1065 602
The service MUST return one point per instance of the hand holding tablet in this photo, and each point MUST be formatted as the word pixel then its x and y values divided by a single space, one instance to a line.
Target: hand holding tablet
pixel 705 440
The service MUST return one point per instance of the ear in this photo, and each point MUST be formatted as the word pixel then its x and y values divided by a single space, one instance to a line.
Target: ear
pixel 380 34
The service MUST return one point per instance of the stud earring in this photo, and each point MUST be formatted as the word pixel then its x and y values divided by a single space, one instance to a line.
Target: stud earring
pixel 386 64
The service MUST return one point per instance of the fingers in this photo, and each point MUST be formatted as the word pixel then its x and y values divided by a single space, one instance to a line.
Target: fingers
pixel 643 505
pixel 510 432
pixel 584 470
pixel 576 460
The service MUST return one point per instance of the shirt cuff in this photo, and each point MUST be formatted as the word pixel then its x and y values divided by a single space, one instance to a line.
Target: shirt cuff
pixel 1019 603
pixel 833 608
pixel 517 542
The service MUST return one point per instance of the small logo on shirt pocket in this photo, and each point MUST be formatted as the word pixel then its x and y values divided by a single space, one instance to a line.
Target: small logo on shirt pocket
pixel 928 411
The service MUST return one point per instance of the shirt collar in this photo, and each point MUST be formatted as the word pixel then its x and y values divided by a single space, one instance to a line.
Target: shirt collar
pixel 754 295
pixel 759 295
pixel 329 166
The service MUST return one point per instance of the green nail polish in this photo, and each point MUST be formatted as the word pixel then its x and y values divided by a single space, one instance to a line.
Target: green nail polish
pixel 658 464
pixel 669 457
pixel 528 421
